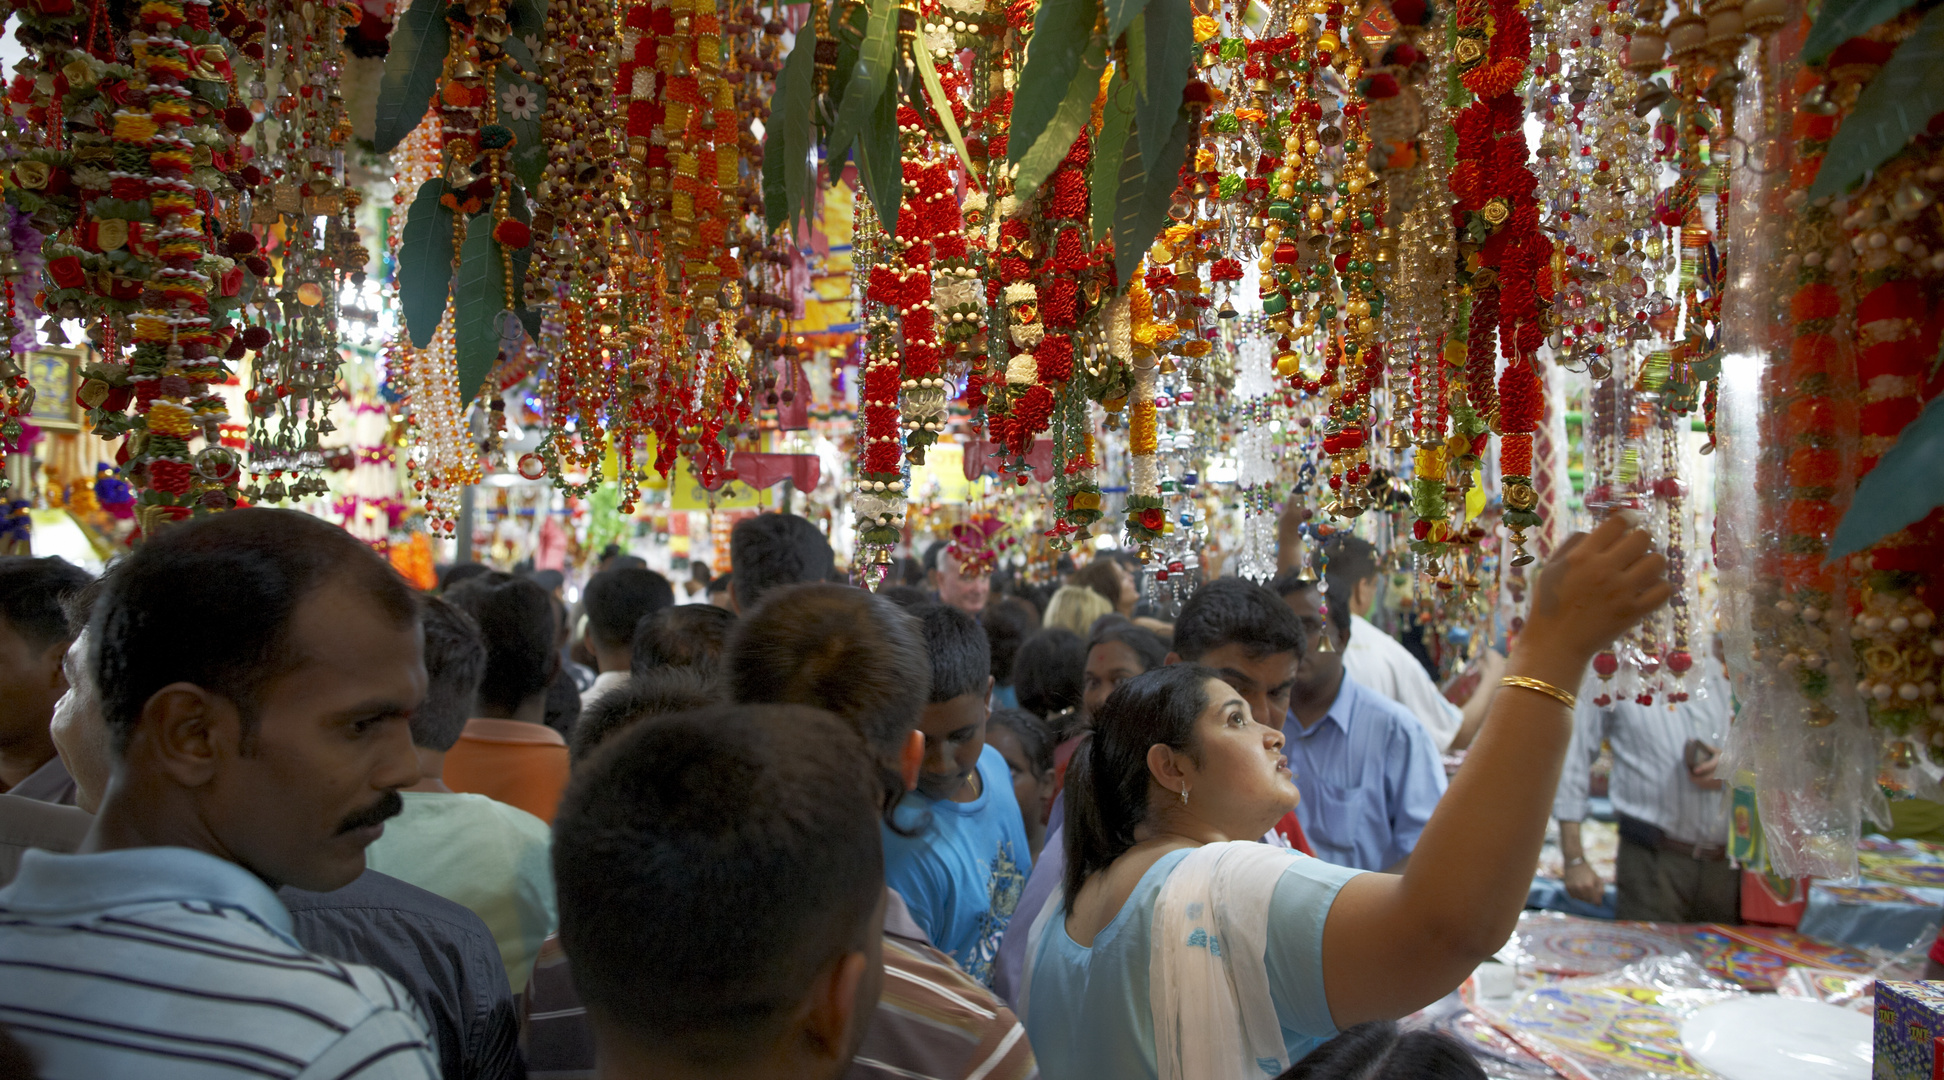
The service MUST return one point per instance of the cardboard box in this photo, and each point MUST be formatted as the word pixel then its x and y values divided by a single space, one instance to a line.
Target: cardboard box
pixel 1909 1021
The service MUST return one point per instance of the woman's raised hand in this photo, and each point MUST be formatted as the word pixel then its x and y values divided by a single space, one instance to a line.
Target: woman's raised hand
pixel 1595 587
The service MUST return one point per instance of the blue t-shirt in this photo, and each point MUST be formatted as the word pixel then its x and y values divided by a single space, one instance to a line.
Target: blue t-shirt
pixel 1087 1009
pixel 961 875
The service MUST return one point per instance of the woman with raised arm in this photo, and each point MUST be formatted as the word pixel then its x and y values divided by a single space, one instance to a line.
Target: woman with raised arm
pixel 1185 950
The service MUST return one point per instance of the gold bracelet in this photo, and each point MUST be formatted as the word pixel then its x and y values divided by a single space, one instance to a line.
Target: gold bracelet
pixel 1544 687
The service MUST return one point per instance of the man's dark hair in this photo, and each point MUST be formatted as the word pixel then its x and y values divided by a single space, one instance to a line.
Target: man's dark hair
pixel 455 661
pixel 1234 611
pixel 33 595
pixel 461 572
pixel 661 691
pixel 772 550
pixel 932 551
pixel 517 620
pixel 209 602
pixel 1349 559
pixel 720 583
pixel 671 850
pixel 1380 1050
pixel 1297 579
pixel 1050 672
pixel 909 597
pixel 841 649
pixel 961 660
pixel 699 571
pixel 618 599
pixel 691 635
pixel 1008 622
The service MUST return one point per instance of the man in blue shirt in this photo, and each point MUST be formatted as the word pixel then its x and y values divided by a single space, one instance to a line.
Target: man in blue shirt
pixel 1368 772
pixel 956 848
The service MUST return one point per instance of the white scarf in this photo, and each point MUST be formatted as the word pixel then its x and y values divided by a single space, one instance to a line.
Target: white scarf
pixel 1208 982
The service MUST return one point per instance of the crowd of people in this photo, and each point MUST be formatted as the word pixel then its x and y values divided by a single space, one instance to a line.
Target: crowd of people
pixel 270 812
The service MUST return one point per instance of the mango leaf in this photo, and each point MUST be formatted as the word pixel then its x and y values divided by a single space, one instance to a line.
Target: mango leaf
pixel 788 135
pixel 1062 40
pixel 1893 109
pixel 1134 55
pixel 528 18
pixel 412 71
pixel 478 297
pixel 849 31
pixel 865 88
pixel 529 317
pixel 1122 14
pixel 1170 40
pixel 1117 119
pixel 935 89
pixel 529 156
pixel 1037 162
pixel 1141 205
pixel 1841 20
pixel 877 159
pixel 1902 489
pixel 425 263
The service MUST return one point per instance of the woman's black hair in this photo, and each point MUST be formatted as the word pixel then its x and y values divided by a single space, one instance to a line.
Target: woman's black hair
pixel 1146 646
pixel 1107 781
pixel 1378 1050
pixel 1049 672
pixel 1035 737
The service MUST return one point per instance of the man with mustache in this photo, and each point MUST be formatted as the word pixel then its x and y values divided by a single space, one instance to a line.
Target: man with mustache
pixel 257 671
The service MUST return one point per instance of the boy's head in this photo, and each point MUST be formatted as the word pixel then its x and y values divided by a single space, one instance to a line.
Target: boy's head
pixel 616 601
pixel 662 691
pixel 1351 566
pixel 691 636
pixel 954 720
pixel 517 621
pixel 455 661
pixel 1249 637
pixel 769 551
pixel 847 652
pixel 34 637
pixel 670 853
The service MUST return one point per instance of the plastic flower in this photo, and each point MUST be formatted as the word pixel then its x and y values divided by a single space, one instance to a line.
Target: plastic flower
pixel 518 101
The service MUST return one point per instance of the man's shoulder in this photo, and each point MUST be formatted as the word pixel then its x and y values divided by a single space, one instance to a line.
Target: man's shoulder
pixel 454 811
pixel 381 898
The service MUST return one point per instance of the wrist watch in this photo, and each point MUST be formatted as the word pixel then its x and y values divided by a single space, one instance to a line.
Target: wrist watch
pixel 1577 860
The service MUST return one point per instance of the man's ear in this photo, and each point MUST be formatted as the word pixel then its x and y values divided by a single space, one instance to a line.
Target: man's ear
pixel 1172 659
pixel 912 759
pixel 50 660
pixel 830 1015
pixel 188 732
pixel 990 681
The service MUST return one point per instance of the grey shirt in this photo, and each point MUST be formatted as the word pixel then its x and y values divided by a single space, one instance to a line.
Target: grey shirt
pixel 439 950
pixel 49 784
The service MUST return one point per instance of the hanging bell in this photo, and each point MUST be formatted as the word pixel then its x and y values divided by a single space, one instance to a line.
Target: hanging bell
pixel 1227 310
pixel 1323 644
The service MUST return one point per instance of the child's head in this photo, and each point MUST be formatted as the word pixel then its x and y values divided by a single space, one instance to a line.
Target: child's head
pixel 954 721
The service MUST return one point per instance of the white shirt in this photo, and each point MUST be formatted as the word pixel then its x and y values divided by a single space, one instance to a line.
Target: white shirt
pixel 1650 774
pixel 604 684
pixel 1377 662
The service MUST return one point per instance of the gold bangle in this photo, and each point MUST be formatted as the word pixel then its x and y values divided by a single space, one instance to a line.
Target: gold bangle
pixel 1544 687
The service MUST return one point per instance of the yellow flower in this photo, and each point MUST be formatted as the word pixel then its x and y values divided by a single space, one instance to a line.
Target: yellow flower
pixel 170 418
pixel 1205 27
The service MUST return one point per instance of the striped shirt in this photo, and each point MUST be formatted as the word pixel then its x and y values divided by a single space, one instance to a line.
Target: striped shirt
pixel 170 964
pixel 1650 774
pixel 933 1021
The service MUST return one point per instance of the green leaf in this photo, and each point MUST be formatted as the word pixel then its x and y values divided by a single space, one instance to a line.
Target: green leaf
pixel 523 258
pixel 941 104
pixel 1841 20
pixel 1893 109
pixel 1901 490
pixel 412 70
pixel 1116 121
pixel 1056 138
pixel 1135 54
pixel 529 156
pixel 425 263
pixel 1122 14
pixel 478 297
pixel 877 159
pixel 1141 207
pixel 865 88
pixel 1062 40
pixel 849 29
pixel 788 136
pixel 1170 35
pixel 528 18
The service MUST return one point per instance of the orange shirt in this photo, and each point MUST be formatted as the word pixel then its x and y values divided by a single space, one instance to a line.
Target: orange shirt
pixel 517 763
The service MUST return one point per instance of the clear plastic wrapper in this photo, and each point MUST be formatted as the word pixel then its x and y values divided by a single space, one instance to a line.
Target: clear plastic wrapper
pixel 1624 1025
pixel 1844 988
